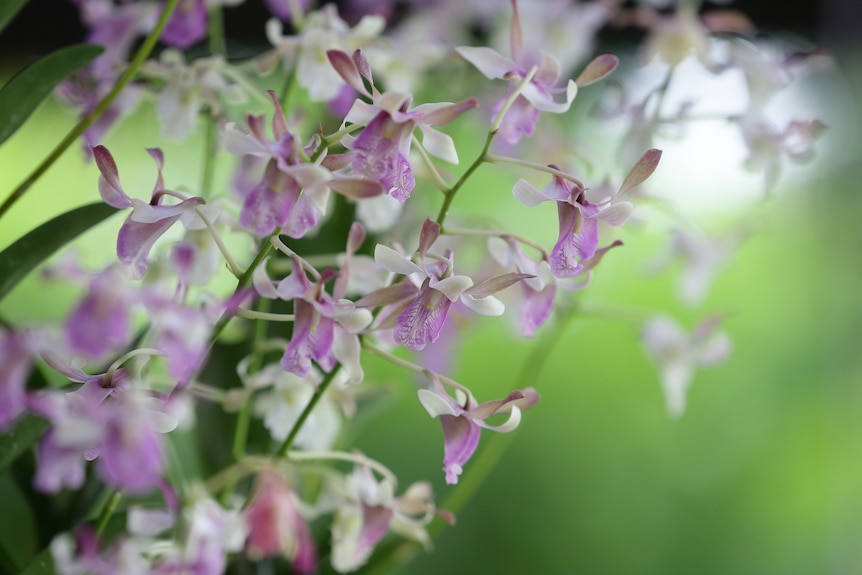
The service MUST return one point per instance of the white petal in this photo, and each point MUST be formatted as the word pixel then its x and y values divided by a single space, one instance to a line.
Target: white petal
pixel 486 305
pixel 513 422
pixel 545 102
pixel 435 405
pixel 453 286
pixel 242 144
pixel 491 63
pixel 439 144
pixel 392 261
pixel 525 193
pixel 617 214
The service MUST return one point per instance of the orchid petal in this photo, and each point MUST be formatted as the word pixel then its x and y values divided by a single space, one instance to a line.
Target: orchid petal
pixel 392 261
pixel 617 214
pixel 453 286
pixel 488 305
pixel 439 144
pixel 436 405
pixel 545 102
pixel 489 62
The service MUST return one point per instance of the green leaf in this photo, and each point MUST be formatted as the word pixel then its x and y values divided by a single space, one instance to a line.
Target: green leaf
pixel 18 539
pixel 26 253
pixel 21 438
pixel 8 9
pixel 26 90
pixel 42 564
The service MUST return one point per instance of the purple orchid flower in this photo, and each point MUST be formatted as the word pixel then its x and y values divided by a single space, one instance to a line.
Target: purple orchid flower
pixel 464 418
pixel 578 237
pixel 381 152
pixel 101 323
pixel 538 94
pixel 16 360
pixel 424 300
pixel 324 329
pixel 187 25
pixel 291 194
pixel 277 527
pixel 148 221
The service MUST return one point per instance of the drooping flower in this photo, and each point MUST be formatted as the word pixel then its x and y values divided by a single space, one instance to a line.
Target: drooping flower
pixel 148 221
pixel 276 525
pixel 463 419
pixel 678 354
pixel 578 237
pixel 369 509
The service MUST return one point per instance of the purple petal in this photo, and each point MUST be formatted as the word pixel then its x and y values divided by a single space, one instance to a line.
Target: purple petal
pixel 379 155
pixel 15 365
pixel 420 323
pixel 109 181
pixel 461 437
pixel 268 205
pixel 187 25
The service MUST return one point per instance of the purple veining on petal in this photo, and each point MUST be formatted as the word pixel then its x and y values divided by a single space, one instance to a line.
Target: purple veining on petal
pixel 380 155
pixel 461 437
pixel 420 323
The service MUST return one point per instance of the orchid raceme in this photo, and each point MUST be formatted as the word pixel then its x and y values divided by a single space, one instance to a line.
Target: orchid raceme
pixel 203 400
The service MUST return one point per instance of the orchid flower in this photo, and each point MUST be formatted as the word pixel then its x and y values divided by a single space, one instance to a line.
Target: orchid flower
pixel 431 290
pixel 678 354
pixel 578 217
pixel 463 419
pixel 537 95
pixel 381 152
pixel 292 194
pixel 148 221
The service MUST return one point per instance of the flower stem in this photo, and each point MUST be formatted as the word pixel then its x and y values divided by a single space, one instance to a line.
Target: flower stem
pixel 215 23
pixel 494 159
pixel 321 389
pixel 107 512
pixel 95 113
pixel 449 195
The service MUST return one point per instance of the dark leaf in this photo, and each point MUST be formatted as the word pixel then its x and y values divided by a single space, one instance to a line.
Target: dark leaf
pixel 8 9
pixel 26 253
pixel 25 91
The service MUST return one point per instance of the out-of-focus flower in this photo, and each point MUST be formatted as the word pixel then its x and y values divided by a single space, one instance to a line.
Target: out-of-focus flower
pixel 276 525
pixel 16 360
pixel 678 354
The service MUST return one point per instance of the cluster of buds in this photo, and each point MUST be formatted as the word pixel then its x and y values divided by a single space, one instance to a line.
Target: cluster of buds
pixel 137 350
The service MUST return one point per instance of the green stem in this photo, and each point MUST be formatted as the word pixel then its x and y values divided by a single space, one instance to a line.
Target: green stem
pixel 215 24
pixel 107 512
pixel 95 113
pixel 210 149
pixel 450 194
pixel 321 389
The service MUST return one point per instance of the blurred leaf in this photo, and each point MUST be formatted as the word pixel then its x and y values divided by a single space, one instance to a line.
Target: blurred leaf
pixel 20 439
pixel 43 564
pixel 17 526
pixel 26 253
pixel 26 90
pixel 8 9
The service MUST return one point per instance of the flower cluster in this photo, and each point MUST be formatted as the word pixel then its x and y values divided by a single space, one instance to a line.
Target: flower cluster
pixel 322 281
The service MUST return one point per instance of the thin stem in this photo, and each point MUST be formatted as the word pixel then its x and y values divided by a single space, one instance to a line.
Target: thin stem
pixel 210 149
pixel 215 23
pixel 234 267
pixel 251 314
pixel 357 458
pixel 450 195
pixel 450 231
pixel 435 174
pixel 495 159
pixel 318 393
pixel 95 113
pixel 282 247
pixel 107 512
pixel 109 374
pixel 286 87
pixel 409 365
pixel 512 97
pixel 241 283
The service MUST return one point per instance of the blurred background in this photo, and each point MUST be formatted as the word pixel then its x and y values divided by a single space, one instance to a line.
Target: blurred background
pixel 761 475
